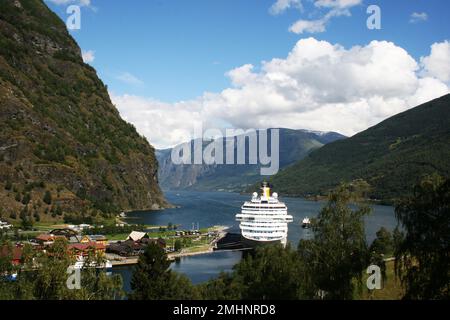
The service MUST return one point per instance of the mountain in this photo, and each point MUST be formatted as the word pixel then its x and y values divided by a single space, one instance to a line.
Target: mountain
pixel 63 147
pixel 391 156
pixel 294 145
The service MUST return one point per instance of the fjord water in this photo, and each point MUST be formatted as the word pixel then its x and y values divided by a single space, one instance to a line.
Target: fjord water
pixel 219 208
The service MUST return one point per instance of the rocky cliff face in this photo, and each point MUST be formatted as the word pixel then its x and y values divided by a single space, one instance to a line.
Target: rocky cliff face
pixel 294 146
pixel 63 147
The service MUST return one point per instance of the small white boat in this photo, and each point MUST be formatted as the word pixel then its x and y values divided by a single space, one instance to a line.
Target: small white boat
pixel 306 223
pixel 12 277
pixel 80 264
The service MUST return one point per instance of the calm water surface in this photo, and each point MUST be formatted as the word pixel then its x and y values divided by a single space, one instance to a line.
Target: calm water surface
pixel 219 208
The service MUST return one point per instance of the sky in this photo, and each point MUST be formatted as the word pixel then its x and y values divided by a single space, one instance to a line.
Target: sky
pixel 302 64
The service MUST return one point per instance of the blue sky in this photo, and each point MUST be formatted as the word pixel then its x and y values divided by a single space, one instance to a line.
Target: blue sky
pixel 180 48
pixel 176 50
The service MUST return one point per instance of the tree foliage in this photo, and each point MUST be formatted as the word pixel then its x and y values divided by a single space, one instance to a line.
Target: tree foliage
pixel 338 253
pixel 153 280
pixel 43 276
pixel 259 275
pixel 270 272
pixel 224 287
pixel 423 254
pixel 47 197
pixel 383 243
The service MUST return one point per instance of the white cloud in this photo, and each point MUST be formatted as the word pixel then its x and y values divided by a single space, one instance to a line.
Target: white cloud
pixel 418 17
pixel 130 79
pixel 241 75
pixel 318 86
pixel 163 124
pixel 335 8
pixel 282 5
pixel 83 3
pixel 88 56
pixel 309 26
pixel 319 25
pixel 437 64
pixel 337 4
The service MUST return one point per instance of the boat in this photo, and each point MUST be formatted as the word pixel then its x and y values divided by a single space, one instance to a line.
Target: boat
pixel 81 264
pixel 306 223
pixel 264 219
pixel 10 277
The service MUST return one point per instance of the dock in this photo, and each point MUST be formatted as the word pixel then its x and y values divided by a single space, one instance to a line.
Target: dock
pixel 224 242
pixel 231 242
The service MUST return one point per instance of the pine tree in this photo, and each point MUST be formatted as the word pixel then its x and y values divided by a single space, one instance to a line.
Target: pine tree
pixel 26 199
pixel 47 197
pixel 8 185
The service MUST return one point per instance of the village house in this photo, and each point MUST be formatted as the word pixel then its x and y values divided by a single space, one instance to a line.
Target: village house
pixel 94 238
pixel 83 249
pixel 130 248
pixel 15 254
pixel 46 240
pixel 137 236
pixel 71 235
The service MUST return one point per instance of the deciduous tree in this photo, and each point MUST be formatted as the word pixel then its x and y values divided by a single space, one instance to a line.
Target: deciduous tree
pixel 337 253
pixel 423 254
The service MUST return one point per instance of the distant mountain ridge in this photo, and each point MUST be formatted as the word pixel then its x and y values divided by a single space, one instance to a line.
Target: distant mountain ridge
pixel 391 156
pixel 294 145
pixel 64 148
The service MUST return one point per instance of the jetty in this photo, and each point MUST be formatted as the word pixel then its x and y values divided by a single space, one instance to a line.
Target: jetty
pixel 217 233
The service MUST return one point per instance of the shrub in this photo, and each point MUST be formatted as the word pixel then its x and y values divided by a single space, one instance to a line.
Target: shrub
pixel 26 199
pixel 47 197
pixel 8 185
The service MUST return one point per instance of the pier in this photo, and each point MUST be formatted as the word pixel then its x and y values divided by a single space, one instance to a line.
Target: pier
pixel 224 242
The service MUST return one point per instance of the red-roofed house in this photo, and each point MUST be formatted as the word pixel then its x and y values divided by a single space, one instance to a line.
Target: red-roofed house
pixel 83 249
pixel 15 253
pixel 47 239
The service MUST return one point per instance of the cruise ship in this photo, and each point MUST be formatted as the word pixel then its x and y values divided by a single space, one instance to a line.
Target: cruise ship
pixel 264 219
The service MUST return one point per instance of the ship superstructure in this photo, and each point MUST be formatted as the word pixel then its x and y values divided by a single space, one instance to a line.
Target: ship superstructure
pixel 264 219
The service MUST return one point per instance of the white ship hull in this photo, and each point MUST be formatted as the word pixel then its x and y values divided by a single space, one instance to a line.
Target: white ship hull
pixel 252 243
pixel 264 220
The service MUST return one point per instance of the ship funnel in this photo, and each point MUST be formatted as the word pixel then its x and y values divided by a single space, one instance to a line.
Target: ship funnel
pixel 266 189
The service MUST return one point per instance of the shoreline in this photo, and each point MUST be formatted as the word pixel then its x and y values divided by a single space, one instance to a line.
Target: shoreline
pixel 171 257
pixel 118 261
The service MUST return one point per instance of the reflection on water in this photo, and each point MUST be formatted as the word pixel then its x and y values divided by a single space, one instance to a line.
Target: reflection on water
pixel 198 268
pixel 219 208
pixel 205 267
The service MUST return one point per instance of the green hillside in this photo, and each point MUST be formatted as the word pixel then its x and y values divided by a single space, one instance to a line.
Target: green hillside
pixel 391 156
pixel 63 147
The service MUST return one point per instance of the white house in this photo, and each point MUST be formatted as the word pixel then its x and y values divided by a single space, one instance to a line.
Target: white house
pixel 136 236
pixel 5 225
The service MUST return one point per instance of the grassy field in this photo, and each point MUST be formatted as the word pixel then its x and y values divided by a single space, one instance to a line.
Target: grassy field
pixel 391 288
pixel 199 248
pixel 117 237
pixel 161 234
